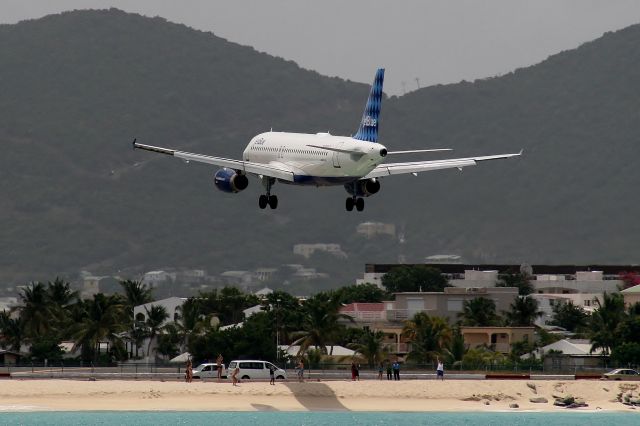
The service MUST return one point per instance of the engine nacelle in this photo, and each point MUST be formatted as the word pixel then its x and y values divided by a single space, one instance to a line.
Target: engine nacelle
pixel 228 180
pixel 363 188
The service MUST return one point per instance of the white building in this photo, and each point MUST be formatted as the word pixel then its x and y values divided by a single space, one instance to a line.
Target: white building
pixel 170 304
pixel 374 229
pixel 546 302
pixel 307 250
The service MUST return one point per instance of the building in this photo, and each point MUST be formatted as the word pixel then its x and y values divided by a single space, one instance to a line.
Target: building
pixel 448 303
pixel 389 317
pixel 373 229
pixel 631 295
pixel 498 339
pixel 170 304
pixel 156 278
pixel 307 250
pixel 9 357
pixel 569 354
pixel 553 279
pixel 547 301
pixel 375 317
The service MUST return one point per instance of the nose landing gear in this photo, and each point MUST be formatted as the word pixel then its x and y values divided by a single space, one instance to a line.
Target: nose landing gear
pixel 268 199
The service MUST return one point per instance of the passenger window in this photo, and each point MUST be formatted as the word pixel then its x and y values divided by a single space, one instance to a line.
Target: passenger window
pixel 207 368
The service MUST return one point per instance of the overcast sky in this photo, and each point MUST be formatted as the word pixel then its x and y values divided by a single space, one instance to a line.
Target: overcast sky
pixel 435 41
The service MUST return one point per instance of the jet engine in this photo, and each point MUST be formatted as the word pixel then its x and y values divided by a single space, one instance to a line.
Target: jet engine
pixel 363 188
pixel 229 180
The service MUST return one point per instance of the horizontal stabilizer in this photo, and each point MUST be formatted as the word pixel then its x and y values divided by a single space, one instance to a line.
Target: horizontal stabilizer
pixel 415 151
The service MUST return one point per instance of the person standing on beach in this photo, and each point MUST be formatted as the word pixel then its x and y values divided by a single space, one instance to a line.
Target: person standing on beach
pixel 234 376
pixel 301 370
pixel 272 375
pixel 219 361
pixel 440 370
pixel 188 371
pixel 396 370
pixel 389 371
pixel 380 370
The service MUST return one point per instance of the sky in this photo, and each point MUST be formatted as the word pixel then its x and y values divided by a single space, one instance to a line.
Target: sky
pixel 420 43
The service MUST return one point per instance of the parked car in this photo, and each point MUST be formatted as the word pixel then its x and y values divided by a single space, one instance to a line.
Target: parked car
pixel 622 374
pixel 208 371
pixel 255 369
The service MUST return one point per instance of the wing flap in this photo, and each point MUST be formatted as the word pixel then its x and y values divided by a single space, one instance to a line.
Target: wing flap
pixel 278 172
pixel 425 166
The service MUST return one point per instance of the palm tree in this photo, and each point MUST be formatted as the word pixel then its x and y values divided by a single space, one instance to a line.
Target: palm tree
pixel 370 346
pixel 479 312
pixel 190 321
pixel 523 313
pixel 38 314
pixel 103 319
pixel 319 323
pixel 604 321
pixel 430 337
pixel 156 316
pixel 520 280
pixel 136 293
pixel 11 331
pixel 60 293
pixel 61 297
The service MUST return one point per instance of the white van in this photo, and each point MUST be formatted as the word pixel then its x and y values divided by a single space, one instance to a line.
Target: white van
pixel 208 371
pixel 254 369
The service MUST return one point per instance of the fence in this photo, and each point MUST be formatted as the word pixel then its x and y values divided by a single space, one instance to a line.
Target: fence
pixel 165 371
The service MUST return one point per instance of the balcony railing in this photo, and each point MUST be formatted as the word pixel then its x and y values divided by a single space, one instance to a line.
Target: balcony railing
pixel 397 314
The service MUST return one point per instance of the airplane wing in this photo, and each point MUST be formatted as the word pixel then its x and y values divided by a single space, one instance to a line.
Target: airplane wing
pixel 276 171
pixel 425 166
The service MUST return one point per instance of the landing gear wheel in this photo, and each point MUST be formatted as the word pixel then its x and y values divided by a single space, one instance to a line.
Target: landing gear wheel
pixel 263 201
pixel 273 202
pixel 349 204
pixel 360 204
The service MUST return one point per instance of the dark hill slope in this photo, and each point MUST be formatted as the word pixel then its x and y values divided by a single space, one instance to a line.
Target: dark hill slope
pixel 76 87
pixel 571 196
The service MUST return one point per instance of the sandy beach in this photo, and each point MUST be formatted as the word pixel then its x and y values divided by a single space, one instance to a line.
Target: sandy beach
pixel 369 395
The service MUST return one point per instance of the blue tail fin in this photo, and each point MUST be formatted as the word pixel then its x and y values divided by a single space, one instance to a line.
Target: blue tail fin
pixel 368 130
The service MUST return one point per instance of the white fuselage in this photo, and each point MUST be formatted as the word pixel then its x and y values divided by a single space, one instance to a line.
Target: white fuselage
pixel 312 165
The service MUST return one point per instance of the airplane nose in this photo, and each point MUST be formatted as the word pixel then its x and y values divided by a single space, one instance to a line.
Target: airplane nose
pixel 383 152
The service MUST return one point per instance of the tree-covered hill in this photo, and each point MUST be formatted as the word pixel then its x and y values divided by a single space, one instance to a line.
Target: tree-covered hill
pixel 75 88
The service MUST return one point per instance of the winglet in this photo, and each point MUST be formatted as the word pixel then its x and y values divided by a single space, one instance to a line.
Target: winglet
pixel 133 144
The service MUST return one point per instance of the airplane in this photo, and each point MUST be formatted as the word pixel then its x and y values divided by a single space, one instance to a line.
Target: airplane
pixel 320 159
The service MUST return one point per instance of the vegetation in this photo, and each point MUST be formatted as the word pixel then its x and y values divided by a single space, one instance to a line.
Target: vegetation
pixel 417 278
pixel 479 312
pixel 103 329
pixel 569 316
pixel 430 338
pixel 523 312
pixel 517 279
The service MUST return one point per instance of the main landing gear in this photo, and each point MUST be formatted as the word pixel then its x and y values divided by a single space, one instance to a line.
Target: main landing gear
pixel 355 201
pixel 271 200
pixel 268 199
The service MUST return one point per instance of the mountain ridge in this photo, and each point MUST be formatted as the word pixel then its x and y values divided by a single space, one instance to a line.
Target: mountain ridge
pixel 69 174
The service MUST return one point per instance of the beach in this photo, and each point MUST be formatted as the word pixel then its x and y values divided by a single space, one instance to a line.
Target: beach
pixel 366 395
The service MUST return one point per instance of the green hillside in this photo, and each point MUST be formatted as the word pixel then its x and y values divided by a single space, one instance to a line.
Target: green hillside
pixel 75 88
